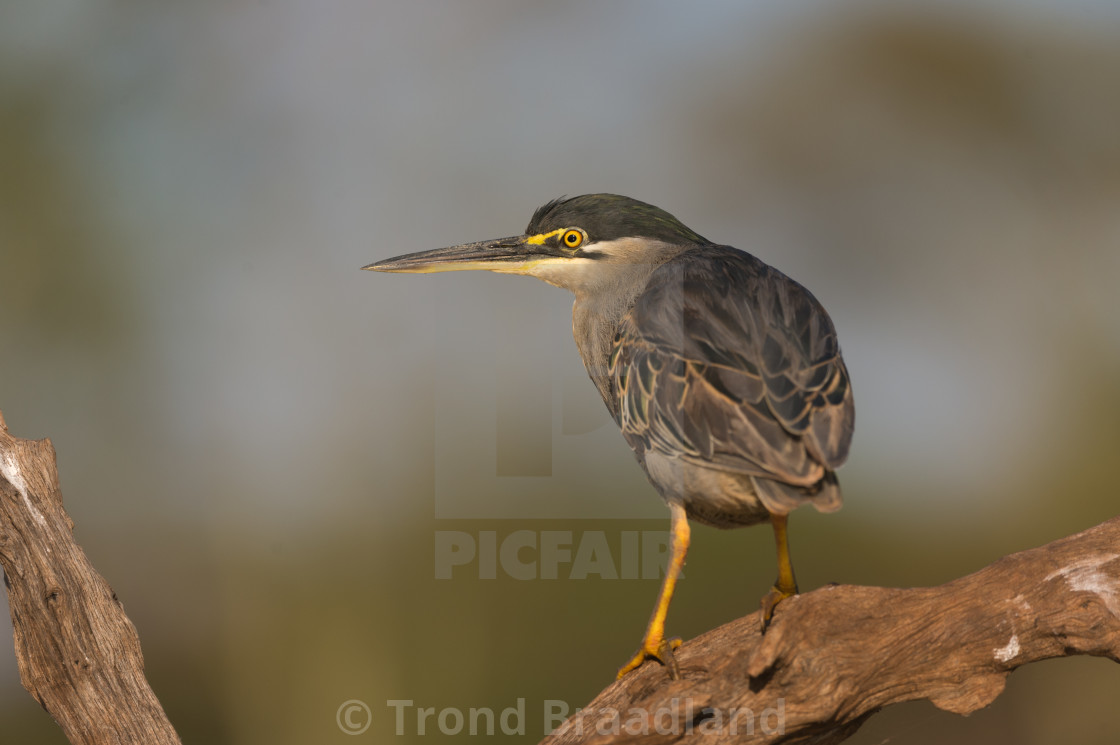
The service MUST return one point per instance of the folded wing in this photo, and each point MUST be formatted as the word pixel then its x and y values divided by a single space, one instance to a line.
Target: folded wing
pixel 728 363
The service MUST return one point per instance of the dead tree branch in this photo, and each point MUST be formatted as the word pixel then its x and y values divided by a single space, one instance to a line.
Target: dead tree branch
pixel 835 656
pixel 78 653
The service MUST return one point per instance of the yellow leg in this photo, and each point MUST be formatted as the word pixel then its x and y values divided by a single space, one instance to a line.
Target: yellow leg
pixel 654 645
pixel 786 586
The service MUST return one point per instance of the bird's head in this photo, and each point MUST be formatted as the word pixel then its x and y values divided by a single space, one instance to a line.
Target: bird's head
pixel 580 244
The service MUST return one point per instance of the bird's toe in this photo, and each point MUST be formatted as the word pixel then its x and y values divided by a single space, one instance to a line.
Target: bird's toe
pixel 655 649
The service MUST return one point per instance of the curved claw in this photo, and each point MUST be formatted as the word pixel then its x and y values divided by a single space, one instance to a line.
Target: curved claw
pixel 770 602
pixel 655 649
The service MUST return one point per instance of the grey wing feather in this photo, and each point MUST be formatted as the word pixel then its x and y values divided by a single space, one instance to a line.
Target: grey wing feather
pixel 726 362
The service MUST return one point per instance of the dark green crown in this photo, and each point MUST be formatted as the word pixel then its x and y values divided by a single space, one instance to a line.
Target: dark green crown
pixel 606 217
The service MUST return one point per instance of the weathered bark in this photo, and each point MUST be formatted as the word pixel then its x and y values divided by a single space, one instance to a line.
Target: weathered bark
pixel 78 653
pixel 835 656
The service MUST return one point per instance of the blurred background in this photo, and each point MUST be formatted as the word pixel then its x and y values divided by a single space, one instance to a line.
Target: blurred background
pixel 260 444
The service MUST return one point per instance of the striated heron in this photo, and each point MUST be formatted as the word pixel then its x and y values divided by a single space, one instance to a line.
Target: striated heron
pixel 724 374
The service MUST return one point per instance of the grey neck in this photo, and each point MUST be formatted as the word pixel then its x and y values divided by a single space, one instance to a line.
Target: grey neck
pixel 596 316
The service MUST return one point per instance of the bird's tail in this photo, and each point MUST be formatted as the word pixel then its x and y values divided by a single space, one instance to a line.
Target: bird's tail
pixel 784 498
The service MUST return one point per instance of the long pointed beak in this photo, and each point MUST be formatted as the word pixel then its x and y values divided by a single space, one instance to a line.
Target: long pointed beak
pixel 512 255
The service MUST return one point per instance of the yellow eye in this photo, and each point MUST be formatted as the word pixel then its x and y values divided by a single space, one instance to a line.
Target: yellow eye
pixel 572 239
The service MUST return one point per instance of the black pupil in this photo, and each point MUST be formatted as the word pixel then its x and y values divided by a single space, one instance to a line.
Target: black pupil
pixel 573 238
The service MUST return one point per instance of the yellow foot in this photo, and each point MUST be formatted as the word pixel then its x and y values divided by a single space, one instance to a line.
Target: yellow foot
pixel 770 602
pixel 655 649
